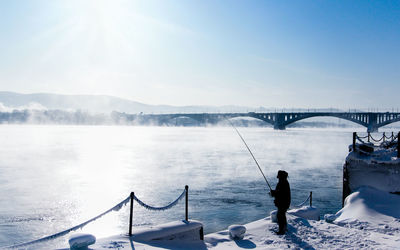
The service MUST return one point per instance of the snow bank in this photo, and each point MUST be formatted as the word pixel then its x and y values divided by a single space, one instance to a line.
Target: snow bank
pixel 306 212
pixel 177 230
pixel 371 205
pixel 173 235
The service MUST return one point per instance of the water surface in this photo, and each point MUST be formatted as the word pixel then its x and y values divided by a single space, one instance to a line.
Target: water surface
pixel 54 177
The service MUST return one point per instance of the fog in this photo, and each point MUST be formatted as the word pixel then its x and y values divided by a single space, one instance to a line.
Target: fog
pixel 29 106
pixel 35 113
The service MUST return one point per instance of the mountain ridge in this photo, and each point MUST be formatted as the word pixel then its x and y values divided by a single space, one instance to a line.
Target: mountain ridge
pixel 104 104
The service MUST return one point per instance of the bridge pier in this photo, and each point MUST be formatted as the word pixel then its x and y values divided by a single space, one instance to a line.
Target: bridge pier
pixel 372 129
pixel 372 123
pixel 279 127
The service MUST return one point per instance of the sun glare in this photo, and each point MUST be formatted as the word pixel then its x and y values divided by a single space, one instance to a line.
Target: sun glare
pixel 99 24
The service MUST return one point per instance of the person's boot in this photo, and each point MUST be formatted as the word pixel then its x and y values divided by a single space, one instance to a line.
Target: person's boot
pixel 281 230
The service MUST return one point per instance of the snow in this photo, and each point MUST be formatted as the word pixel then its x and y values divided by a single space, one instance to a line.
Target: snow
pixel 371 205
pixel 370 219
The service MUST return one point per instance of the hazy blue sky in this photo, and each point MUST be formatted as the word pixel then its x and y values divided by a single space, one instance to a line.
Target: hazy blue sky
pixel 280 53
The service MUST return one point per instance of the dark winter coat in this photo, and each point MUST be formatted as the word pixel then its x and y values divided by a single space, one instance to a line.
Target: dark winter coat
pixel 282 194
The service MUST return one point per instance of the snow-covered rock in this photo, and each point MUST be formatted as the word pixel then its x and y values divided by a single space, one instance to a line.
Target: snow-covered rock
pixel 81 241
pixel 236 232
pixel 306 212
pixel 330 218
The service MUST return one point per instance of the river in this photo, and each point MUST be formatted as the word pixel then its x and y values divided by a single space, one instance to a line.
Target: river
pixel 55 177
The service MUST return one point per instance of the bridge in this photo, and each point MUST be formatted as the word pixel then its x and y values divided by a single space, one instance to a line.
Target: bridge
pixel 371 120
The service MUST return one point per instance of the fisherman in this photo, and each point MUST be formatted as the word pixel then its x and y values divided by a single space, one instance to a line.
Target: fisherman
pixel 282 200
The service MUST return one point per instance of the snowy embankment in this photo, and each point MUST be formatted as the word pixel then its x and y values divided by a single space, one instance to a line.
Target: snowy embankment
pixel 379 169
pixel 370 219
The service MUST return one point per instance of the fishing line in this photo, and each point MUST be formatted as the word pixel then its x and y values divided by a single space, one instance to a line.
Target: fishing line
pixel 254 158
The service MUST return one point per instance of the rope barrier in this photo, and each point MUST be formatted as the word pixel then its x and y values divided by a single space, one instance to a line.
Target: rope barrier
pixel 389 137
pixel 383 144
pixel 115 208
pixel 360 138
pixel 377 140
pixel 160 208
pixel 62 233
pixel 302 204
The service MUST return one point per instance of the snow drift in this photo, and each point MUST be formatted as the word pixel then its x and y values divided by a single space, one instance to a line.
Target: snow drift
pixel 371 205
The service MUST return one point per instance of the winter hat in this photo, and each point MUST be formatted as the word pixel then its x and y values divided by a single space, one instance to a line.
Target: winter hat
pixel 282 174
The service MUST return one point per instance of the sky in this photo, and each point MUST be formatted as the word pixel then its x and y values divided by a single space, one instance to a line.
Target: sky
pixel 286 54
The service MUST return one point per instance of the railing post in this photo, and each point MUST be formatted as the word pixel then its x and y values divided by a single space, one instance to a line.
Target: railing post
pixel 131 214
pixel 310 199
pixel 354 141
pixel 384 136
pixel 392 136
pixel 186 203
pixel 398 145
pixel 369 136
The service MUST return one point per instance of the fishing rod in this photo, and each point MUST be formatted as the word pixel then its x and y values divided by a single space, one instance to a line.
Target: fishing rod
pixel 254 158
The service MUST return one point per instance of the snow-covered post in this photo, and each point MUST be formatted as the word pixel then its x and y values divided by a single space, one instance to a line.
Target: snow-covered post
pixel 354 141
pixel 369 136
pixel 398 145
pixel 131 214
pixel 186 202
pixel 310 199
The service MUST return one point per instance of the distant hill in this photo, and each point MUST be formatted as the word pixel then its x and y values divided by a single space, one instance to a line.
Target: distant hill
pixel 100 104
pixel 105 104
pixel 91 103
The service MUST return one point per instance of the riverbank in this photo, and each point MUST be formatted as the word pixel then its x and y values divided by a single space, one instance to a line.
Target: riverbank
pixel 370 219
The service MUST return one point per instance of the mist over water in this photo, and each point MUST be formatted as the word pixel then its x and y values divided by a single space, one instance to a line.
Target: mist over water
pixel 55 177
